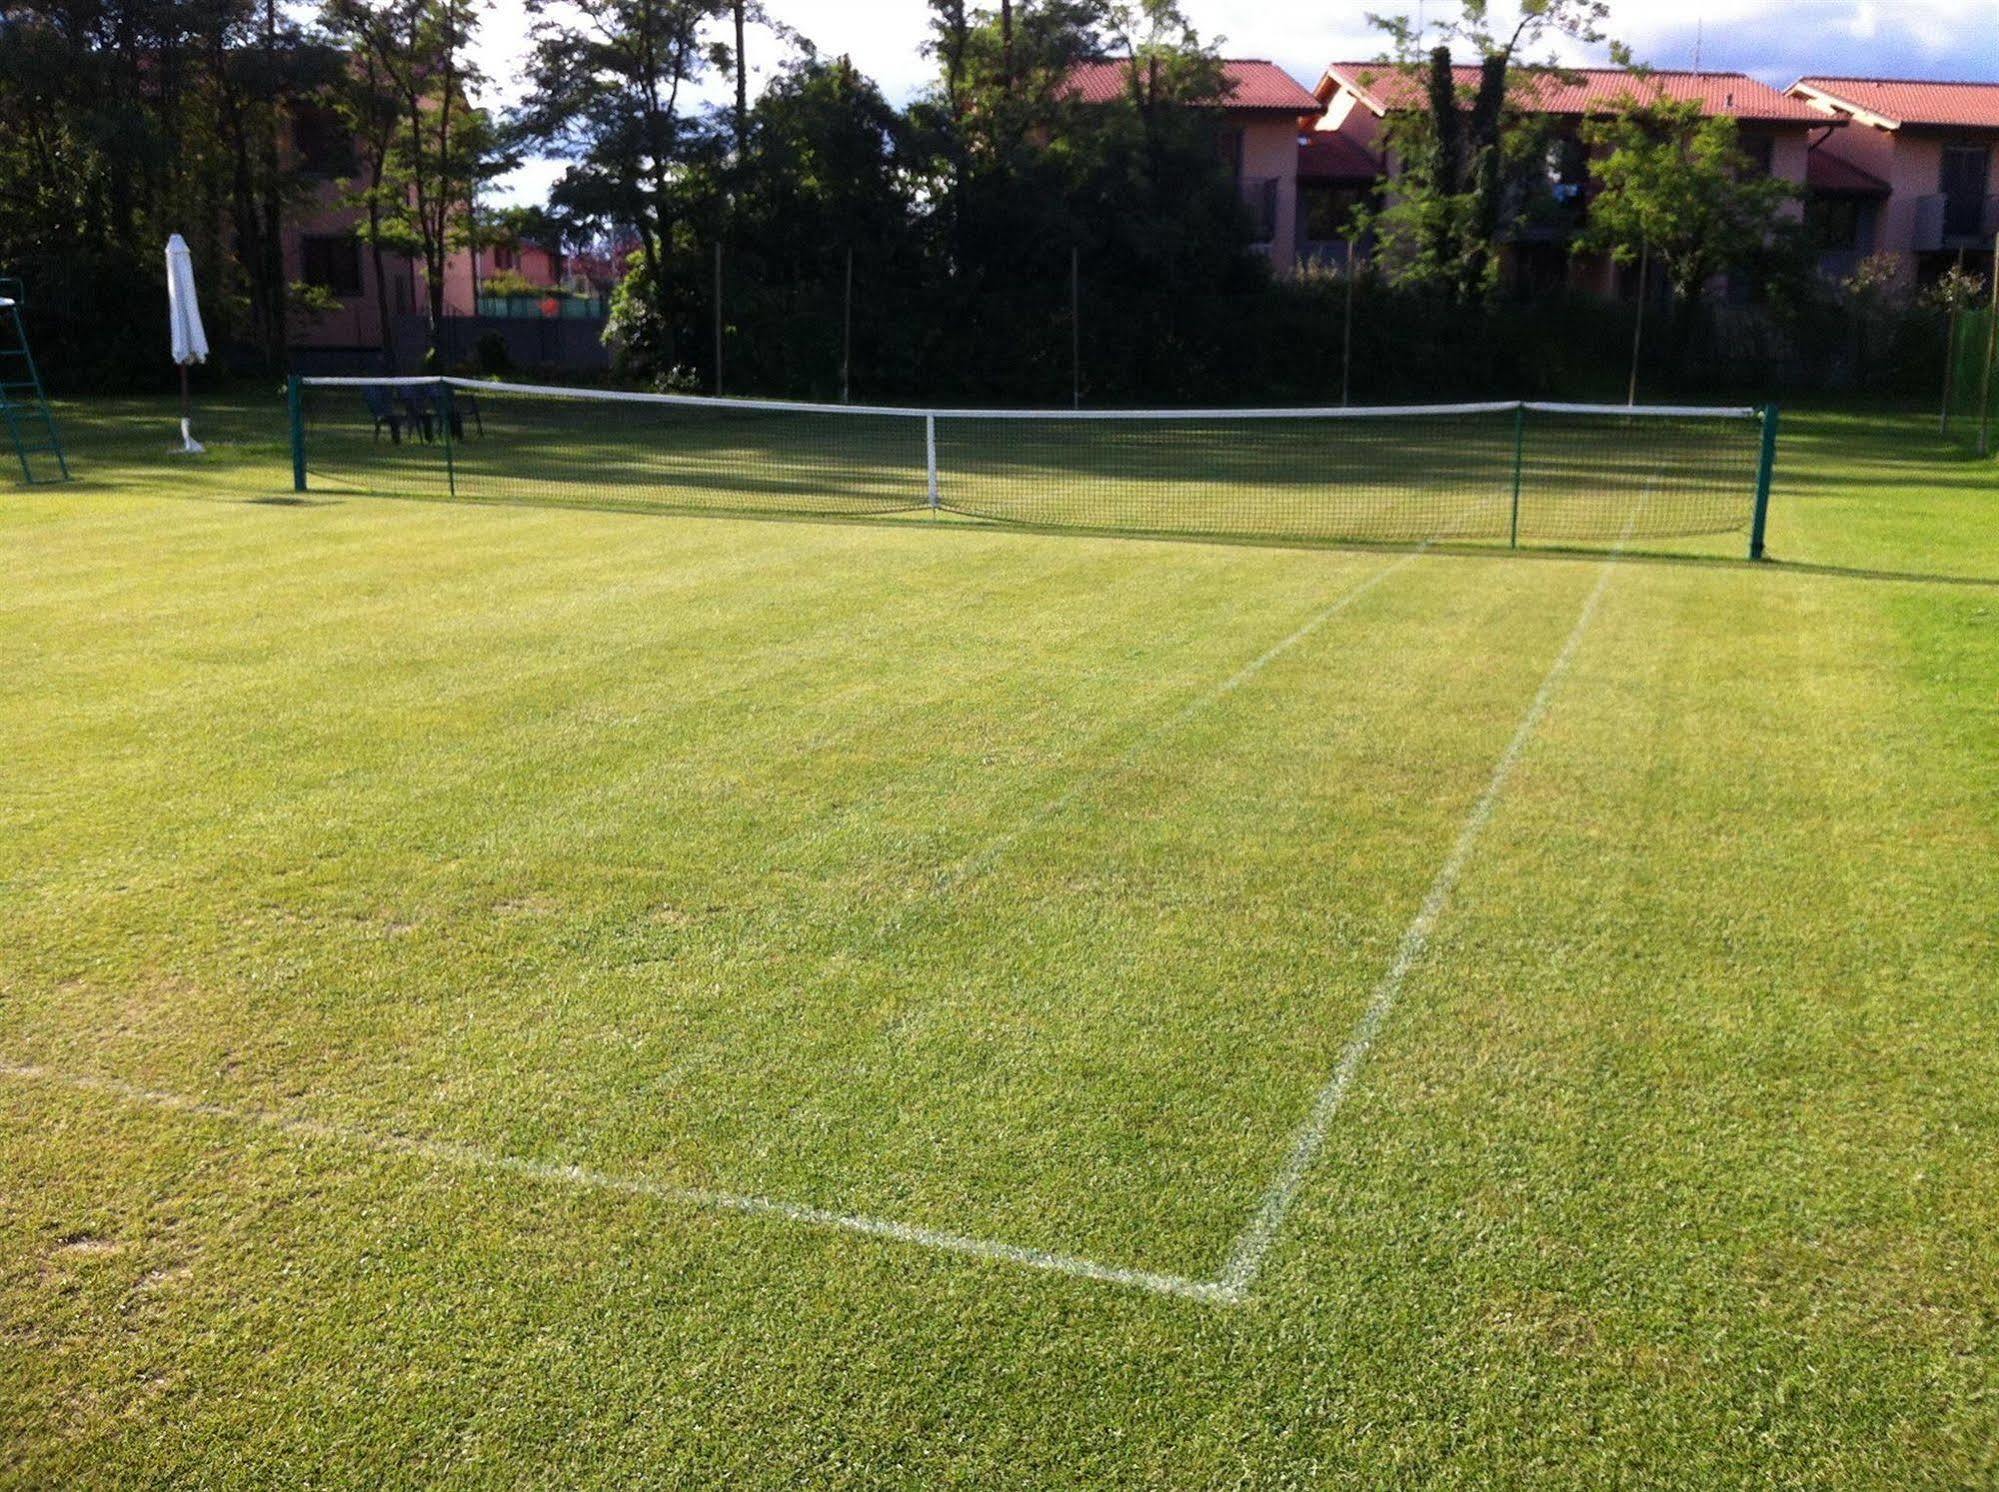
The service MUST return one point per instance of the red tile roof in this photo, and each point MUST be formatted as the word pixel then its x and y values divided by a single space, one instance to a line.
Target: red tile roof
pixel 1903 101
pixel 1591 90
pixel 1252 86
pixel 1328 155
pixel 1826 172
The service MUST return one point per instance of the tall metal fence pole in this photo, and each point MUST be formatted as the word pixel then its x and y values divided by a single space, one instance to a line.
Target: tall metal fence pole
pixel 1638 332
pixel 847 332
pixel 718 316
pixel 1952 324
pixel 1949 366
pixel 1075 326
pixel 1346 327
pixel 1991 357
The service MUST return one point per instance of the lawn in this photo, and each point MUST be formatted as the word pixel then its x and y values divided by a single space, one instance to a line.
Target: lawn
pixel 520 993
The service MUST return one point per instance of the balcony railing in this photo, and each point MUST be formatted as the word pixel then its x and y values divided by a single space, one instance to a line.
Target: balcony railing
pixel 1945 222
pixel 545 306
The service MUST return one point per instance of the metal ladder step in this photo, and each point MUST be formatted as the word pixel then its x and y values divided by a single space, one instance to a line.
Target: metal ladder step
pixel 23 401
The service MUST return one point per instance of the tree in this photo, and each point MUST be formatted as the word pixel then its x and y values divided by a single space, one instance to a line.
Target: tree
pixel 1953 295
pixel 1462 152
pixel 612 88
pixel 1674 181
pixel 370 34
pixel 409 94
pixel 124 120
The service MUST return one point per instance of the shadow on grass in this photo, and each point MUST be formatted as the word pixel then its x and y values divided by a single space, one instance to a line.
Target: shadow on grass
pixel 947 521
pixel 1828 455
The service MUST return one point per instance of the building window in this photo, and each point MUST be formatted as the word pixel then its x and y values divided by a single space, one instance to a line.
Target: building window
pixel 1568 169
pixel 1329 211
pixel 1259 196
pixel 1761 153
pixel 1231 143
pixel 1964 177
pixel 504 257
pixel 1838 224
pixel 324 144
pixel 332 262
pixel 1965 170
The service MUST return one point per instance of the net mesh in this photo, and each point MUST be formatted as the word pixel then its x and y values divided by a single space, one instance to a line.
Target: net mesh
pixel 511 446
pixel 1542 474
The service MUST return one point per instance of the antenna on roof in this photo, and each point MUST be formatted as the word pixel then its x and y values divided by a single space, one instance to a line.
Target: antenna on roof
pixel 1700 27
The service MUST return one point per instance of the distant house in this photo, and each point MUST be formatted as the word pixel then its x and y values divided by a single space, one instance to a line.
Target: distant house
pixel 1777 131
pixel 1911 172
pixel 1262 107
pixel 323 249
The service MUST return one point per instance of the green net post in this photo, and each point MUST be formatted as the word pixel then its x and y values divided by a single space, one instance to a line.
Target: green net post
pixel 1519 465
pixel 1766 472
pixel 447 416
pixel 295 406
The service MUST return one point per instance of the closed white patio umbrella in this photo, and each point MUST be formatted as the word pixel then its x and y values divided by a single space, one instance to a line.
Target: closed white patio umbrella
pixel 190 341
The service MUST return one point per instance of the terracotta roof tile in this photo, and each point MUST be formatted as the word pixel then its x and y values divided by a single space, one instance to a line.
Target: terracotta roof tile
pixel 1253 86
pixel 1593 90
pixel 1907 101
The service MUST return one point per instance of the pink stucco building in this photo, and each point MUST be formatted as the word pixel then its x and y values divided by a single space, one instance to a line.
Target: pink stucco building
pixel 323 249
pixel 1263 110
pixel 1911 171
pixel 1777 132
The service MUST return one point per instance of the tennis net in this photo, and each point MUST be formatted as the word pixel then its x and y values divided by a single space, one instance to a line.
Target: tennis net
pixel 1512 473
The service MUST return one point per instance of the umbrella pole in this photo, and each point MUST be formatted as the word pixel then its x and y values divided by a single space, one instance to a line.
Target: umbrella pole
pixel 186 412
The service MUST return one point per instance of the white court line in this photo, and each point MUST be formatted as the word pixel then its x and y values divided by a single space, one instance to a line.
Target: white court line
pixel 581 1178
pixel 1246 1259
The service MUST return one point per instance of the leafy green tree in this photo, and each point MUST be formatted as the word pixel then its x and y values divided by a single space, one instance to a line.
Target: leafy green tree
pixel 122 121
pixel 370 35
pixel 613 89
pixel 1469 146
pixel 1675 182
pixel 445 147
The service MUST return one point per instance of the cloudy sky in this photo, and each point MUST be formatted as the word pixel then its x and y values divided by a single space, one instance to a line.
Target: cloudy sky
pixel 1775 40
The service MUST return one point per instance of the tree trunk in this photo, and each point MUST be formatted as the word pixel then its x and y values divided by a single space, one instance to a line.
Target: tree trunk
pixel 742 85
pixel 1006 47
pixel 1483 142
pixel 387 322
pixel 1448 166
pixel 273 201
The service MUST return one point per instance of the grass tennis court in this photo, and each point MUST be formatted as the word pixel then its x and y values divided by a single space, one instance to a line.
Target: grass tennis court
pixel 514 994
